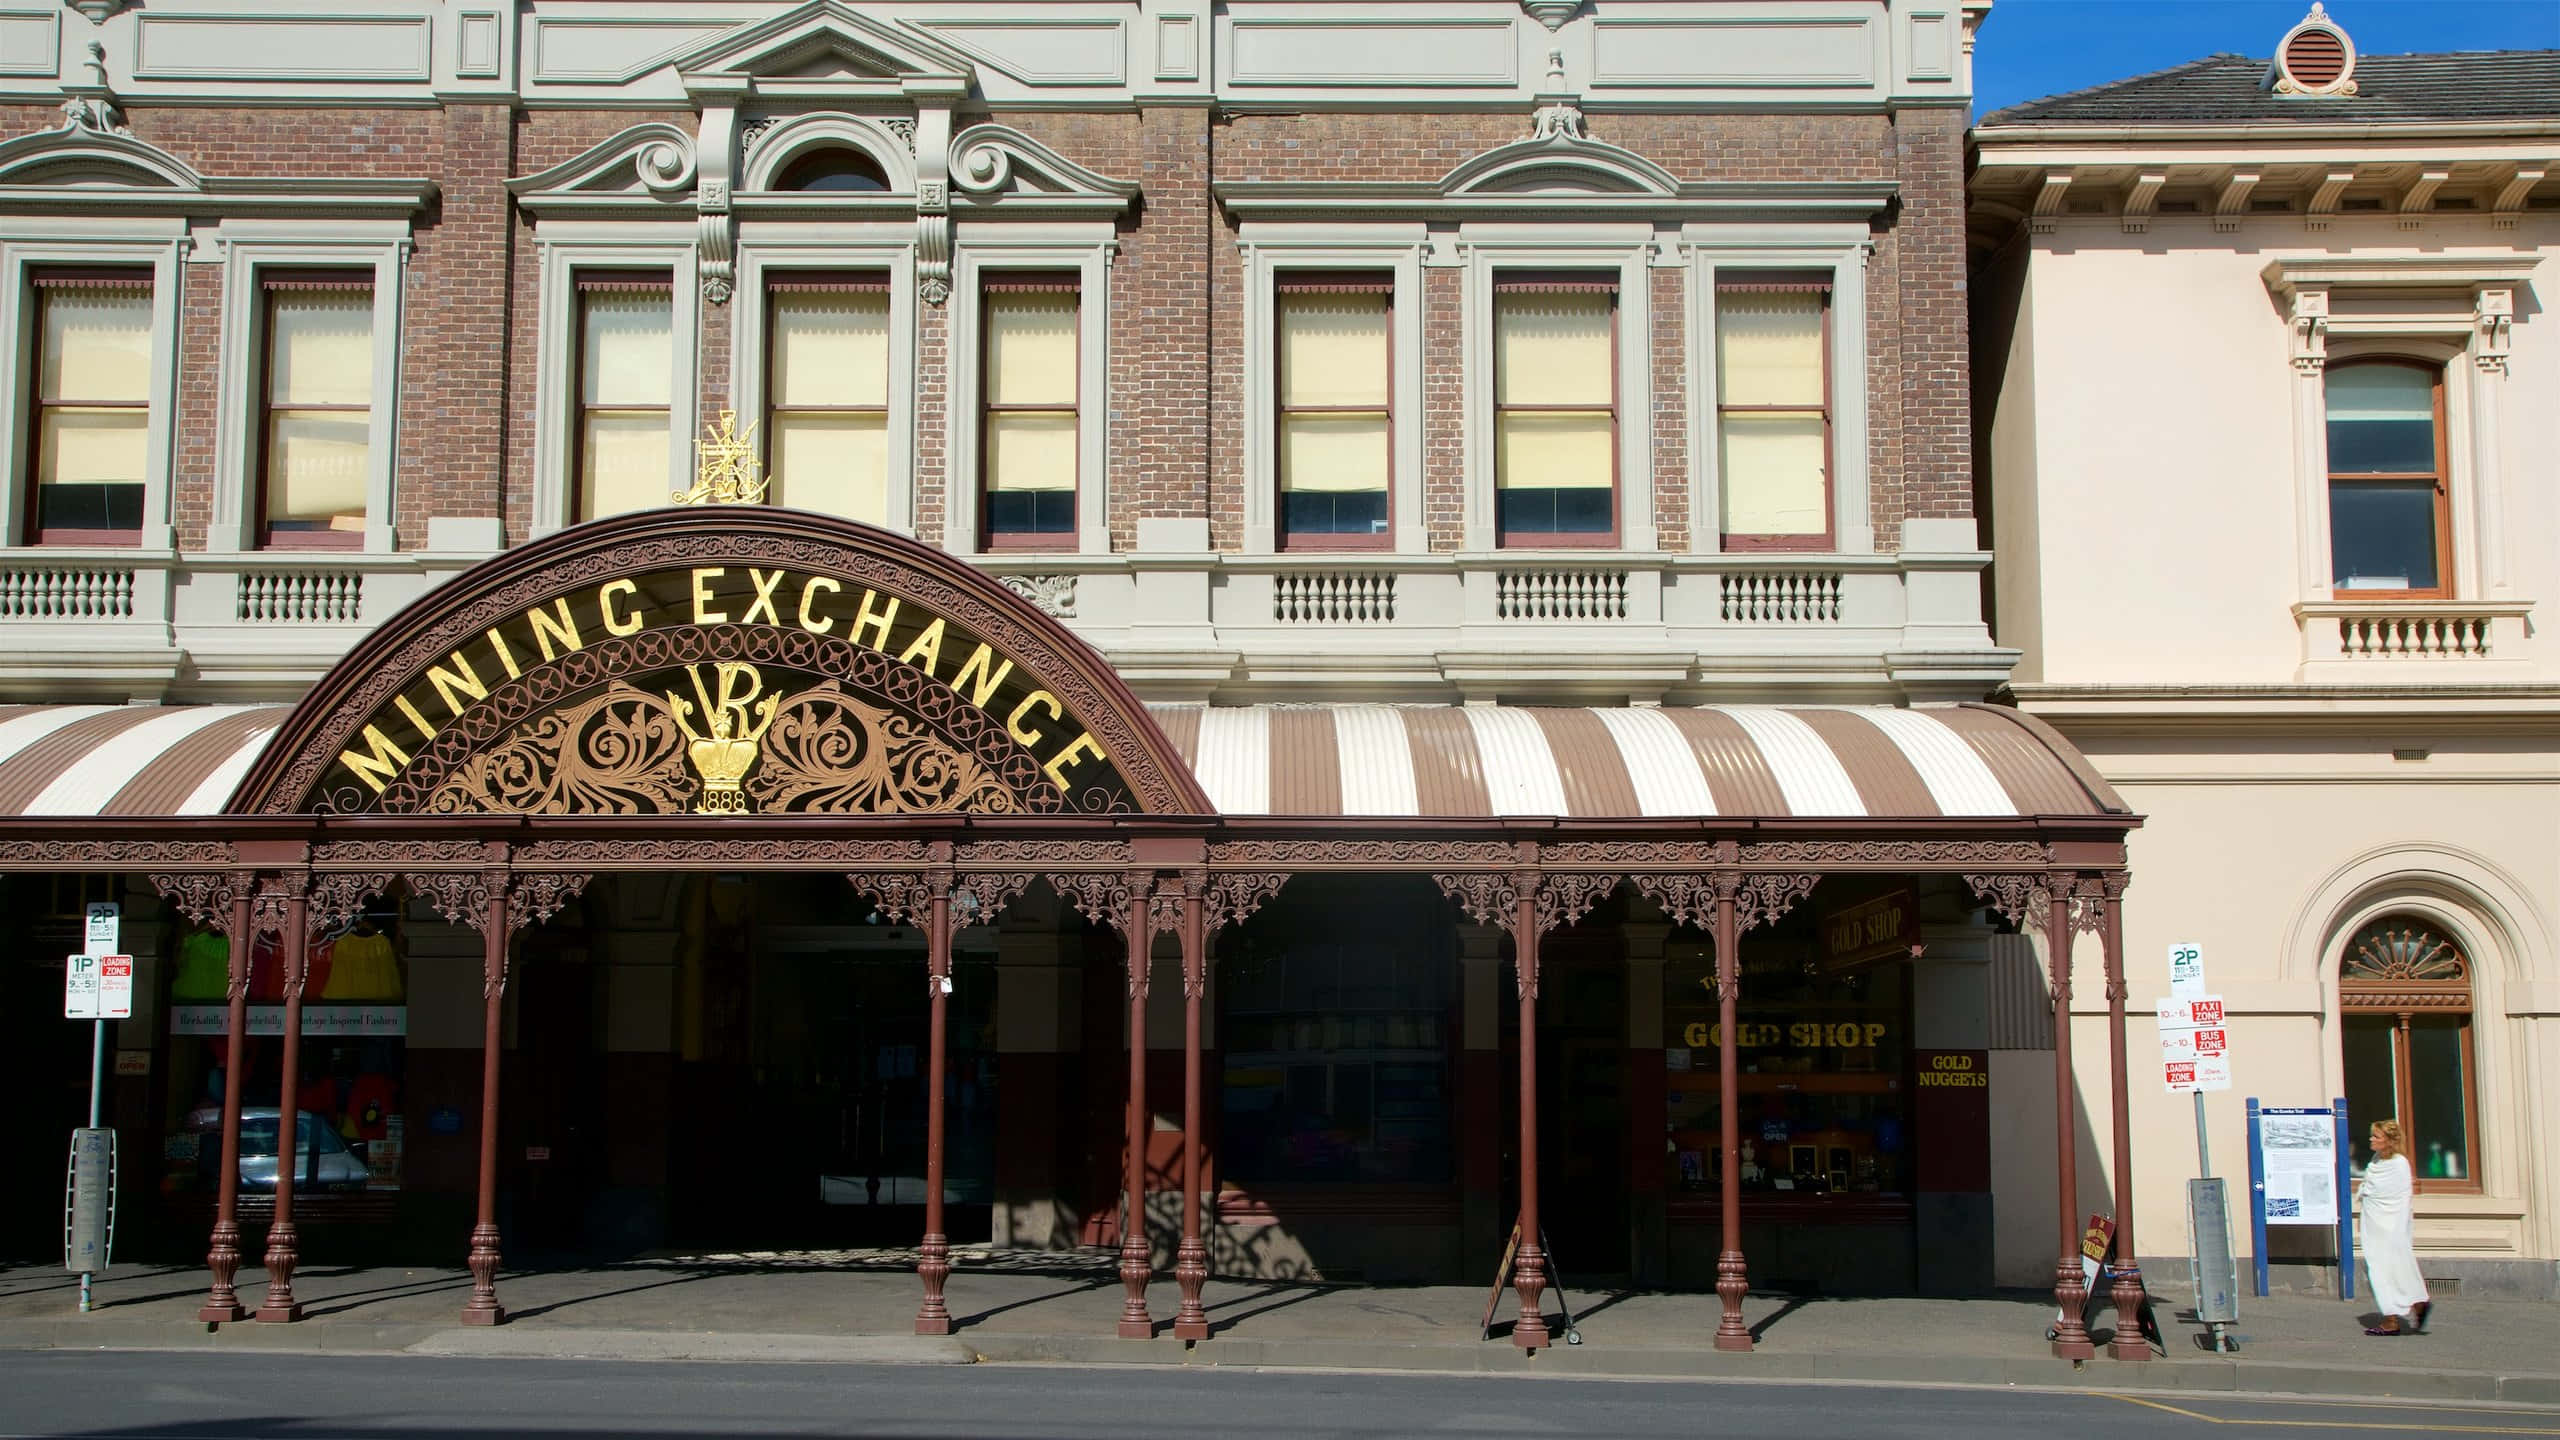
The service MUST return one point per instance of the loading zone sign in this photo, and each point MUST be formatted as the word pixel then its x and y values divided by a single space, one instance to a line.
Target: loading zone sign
pixel 2195 1045
pixel 97 987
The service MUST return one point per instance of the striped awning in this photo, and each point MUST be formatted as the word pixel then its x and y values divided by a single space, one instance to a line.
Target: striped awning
pixel 1315 760
pixel 127 759
pixel 1722 760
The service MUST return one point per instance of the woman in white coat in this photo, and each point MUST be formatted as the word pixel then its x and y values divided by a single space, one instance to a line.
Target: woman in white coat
pixel 2391 1262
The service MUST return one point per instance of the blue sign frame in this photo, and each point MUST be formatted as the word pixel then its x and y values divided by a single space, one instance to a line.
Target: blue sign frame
pixel 2337 1109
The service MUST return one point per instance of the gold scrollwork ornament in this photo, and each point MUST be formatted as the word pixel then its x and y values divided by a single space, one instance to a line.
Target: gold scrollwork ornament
pixel 726 470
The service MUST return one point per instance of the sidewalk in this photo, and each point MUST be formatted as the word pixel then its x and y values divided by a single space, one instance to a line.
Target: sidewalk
pixel 858 1305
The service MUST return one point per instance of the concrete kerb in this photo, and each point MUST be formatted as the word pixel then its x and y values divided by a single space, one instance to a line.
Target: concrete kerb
pixel 2196 1376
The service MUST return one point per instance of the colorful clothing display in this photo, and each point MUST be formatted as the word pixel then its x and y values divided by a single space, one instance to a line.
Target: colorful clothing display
pixel 361 967
pixel 204 968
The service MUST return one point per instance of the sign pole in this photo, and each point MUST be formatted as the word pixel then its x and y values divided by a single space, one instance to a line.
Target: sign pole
pixel 97 986
pixel 2346 1210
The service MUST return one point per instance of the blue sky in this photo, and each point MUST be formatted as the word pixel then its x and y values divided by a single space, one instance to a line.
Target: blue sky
pixel 2033 48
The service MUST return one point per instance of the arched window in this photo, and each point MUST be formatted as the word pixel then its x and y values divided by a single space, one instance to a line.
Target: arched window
pixel 834 169
pixel 2388 530
pixel 2404 993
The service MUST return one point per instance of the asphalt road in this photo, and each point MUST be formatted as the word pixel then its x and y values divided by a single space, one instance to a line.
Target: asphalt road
pixel 184 1396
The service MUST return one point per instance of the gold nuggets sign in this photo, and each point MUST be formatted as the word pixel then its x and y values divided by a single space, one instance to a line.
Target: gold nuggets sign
pixel 723 689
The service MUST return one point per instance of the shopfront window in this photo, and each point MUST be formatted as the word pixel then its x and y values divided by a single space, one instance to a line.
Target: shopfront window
pixel 1336 1025
pixel 1824 1055
pixel 353 1133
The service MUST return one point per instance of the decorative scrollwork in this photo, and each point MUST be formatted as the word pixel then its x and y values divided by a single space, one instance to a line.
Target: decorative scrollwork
pixel 1489 897
pixel 1054 594
pixel 1636 854
pixel 620 753
pixel 337 897
pixel 2400 949
pixel 2093 897
pixel 1379 854
pixel 207 899
pixel 1103 897
pixel 1565 899
pixel 2021 899
pixel 537 896
pixel 1688 898
pixel 1042 854
pixel 830 753
pixel 1233 895
pixel 827 852
pixel 460 896
pixel 1165 905
pixel 276 894
pixel 57 854
pixel 1889 854
pixel 901 898
pixel 1766 897
pixel 979 896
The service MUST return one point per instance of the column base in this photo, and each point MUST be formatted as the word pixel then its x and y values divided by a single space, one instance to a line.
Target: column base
pixel 1741 1344
pixel 940 1325
pixel 1190 1329
pixel 2074 1350
pixel 494 1315
pixel 2139 1349
pixel 1137 1329
pixel 284 1314
pixel 222 1314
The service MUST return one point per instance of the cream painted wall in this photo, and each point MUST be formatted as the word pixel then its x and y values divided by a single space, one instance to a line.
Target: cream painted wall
pixel 2150 391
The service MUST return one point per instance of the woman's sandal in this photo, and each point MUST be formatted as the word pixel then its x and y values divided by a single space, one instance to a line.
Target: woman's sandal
pixel 2382 1329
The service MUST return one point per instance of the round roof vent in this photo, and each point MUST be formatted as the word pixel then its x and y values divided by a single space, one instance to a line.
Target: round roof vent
pixel 2316 58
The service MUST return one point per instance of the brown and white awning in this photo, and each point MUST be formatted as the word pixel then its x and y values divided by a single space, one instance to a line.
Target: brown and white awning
pixel 1316 760
pixel 1723 760
pixel 128 759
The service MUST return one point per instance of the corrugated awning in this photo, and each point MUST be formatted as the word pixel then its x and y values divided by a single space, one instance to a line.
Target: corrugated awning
pixel 1735 761
pixel 1722 760
pixel 127 759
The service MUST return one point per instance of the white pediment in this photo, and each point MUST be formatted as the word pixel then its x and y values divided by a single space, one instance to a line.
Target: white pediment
pixel 76 157
pixel 1559 165
pixel 827 46
pixel 648 163
pixel 998 164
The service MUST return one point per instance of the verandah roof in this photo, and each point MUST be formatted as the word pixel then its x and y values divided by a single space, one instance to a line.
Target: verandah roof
pixel 1313 760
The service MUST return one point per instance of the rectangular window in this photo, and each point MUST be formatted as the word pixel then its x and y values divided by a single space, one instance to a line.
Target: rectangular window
pixel 1030 439
pixel 1336 423
pixel 827 392
pixel 1555 412
pixel 318 434
pixel 626 350
pixel 2387 502
pixel 92 408
pixel 1773 414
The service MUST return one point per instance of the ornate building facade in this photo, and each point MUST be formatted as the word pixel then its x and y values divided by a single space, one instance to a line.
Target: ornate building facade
pixel 1389 514
pixel 2280 322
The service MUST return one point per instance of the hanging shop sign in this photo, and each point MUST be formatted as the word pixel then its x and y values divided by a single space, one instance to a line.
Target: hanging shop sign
pixel 1884 928
pixel 760 662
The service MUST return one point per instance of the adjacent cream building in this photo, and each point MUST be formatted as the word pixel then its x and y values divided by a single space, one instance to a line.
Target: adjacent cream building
pixel 2267 408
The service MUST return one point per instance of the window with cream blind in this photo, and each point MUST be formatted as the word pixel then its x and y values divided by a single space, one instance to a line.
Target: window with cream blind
pixel 1029 443
pixel 626 352
pixel 1773 415
pixel 827 394
pixel 2388 519
pixel 93 409
pixel 1336 424
pixel 1555 412
pixel 318 433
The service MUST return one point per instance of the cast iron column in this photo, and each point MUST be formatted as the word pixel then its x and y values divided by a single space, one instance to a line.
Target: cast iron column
pixel 1137 1261
pixel 496 927
pixel 1733 1279
pixel 933 1265
pixel 1530 1276
pixel 222 1302
pixel 1191 1261
pixel 2070 1291
pixel 2129 1343
pixel 279 1305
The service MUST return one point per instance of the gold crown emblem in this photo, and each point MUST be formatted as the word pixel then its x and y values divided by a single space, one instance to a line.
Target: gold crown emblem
pixel 737 722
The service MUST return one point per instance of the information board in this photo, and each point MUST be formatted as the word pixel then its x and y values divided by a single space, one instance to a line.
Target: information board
pixel 2301 1157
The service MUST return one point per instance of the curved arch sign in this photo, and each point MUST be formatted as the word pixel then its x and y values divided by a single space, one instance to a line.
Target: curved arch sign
pixel 729 661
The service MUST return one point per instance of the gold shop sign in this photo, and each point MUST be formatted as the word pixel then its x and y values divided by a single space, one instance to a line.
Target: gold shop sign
pixel 724 690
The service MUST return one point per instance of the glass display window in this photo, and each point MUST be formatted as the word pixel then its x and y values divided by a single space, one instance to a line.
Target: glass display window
pixel 1824 1059
pixel 352 1134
